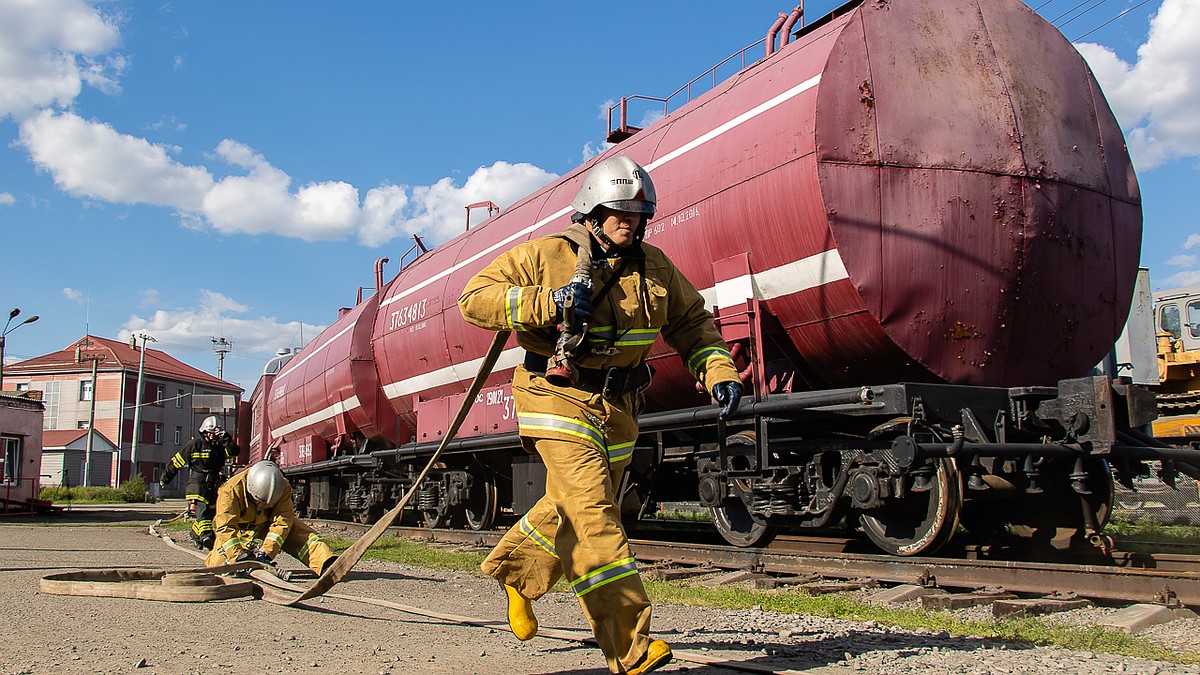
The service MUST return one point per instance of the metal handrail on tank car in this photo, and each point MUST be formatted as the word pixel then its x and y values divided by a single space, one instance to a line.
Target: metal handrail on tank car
pixel 712 72
pixel 666 101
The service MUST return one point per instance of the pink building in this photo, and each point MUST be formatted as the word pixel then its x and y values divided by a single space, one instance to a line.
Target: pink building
pixel 21 438
pixel 175 398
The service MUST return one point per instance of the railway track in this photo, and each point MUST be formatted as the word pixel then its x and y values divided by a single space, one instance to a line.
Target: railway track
pixel 1169 579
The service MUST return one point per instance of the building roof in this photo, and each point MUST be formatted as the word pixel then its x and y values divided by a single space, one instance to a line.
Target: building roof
pixel 23 400
pixel 53 439
pixel 117 356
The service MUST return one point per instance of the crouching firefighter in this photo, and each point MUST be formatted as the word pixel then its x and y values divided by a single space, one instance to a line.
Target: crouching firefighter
pixel 205 456
pixel 577 399
pixel 255 520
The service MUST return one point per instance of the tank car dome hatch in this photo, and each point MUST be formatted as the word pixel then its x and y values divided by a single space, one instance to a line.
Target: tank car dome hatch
pixel 281 358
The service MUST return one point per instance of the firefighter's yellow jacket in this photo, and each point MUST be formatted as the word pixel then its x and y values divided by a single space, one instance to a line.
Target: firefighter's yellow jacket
pixel 651 298
pixel 239 524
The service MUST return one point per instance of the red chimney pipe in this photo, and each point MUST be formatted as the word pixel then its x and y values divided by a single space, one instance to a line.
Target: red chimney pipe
pixel 795 16
pixel 379 274
pixel 771 33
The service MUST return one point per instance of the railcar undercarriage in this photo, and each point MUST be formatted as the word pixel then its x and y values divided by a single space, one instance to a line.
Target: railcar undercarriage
pixel 906 464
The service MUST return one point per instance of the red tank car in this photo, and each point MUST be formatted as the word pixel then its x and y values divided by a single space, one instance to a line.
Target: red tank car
pixel 327 400
pixel 958 207
pixel 915 224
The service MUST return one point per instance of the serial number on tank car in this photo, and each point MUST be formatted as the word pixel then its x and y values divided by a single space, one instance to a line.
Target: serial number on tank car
pixel 500 398
pixel 408 314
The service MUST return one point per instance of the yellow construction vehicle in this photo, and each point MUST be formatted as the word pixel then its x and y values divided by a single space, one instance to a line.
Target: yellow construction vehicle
pixel 1177 336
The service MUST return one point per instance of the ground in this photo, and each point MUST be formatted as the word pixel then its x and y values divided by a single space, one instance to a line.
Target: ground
pixel 76 634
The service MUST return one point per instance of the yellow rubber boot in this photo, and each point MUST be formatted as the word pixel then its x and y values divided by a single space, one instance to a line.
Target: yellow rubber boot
pixel 658 654
pixel 520 615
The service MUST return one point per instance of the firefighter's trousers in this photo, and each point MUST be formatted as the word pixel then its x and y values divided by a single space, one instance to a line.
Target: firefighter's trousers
pixel 201 509
pixel 302 543
pixel 575 529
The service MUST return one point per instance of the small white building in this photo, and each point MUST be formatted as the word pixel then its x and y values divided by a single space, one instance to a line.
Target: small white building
pixel 64 456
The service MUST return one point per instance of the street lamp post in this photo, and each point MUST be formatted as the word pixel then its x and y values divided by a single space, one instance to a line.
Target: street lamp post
pixel 12 314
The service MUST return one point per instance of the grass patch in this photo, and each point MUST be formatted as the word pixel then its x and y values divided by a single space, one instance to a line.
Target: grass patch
pixel 836 606
pixel 410 552
pixel 1147 529
pixel 131 491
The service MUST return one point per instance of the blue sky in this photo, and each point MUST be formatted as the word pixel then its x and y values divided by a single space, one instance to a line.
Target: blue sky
pixel 232 169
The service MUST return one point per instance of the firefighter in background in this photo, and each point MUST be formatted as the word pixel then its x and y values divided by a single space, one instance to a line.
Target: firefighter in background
pixel 206 457
pixel 255 520
pixel 585 432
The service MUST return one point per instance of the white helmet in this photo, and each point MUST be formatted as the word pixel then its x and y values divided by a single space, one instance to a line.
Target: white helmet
pixel 618 183
pixel 265 483
pixel 210 424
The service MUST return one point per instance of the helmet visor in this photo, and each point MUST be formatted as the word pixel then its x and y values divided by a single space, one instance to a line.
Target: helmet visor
pixel 631 206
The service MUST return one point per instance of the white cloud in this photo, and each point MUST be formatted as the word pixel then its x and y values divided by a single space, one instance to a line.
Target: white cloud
pixel 72 294
pixel 590 151
pixel 49 49
pixel 242 193
pixel 1179 279
pixel 1193 241
pixel 91 159
pixel 1155 98
pixel 149 298
pixel 6 199
pixel 437 209
pixel 217 315
pixel 1183 261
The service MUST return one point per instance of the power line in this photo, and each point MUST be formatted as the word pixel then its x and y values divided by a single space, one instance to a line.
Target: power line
pixel 1055 19
pixel 1123 13
pixel 1081 14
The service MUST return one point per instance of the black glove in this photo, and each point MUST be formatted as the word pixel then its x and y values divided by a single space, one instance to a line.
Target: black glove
pixel 254 556
pixel 583 300
pixel 728 395
pixel 163 483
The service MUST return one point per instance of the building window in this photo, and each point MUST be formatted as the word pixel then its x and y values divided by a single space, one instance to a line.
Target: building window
pixel 22 386
pixel 85 390
pixel 81 424
pixel 158 429
pixel 11 468
pixel 178 436
pixel 178 398
pixel 160 392
pixel 50 400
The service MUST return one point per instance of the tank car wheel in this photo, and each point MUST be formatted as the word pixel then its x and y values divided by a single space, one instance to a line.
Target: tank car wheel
pixel 737 525
pixel 921 522
pixel 479 511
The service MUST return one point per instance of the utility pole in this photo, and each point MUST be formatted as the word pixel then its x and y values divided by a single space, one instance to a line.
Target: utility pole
pixel 222 347
pixel 137 406
pixel 96 359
